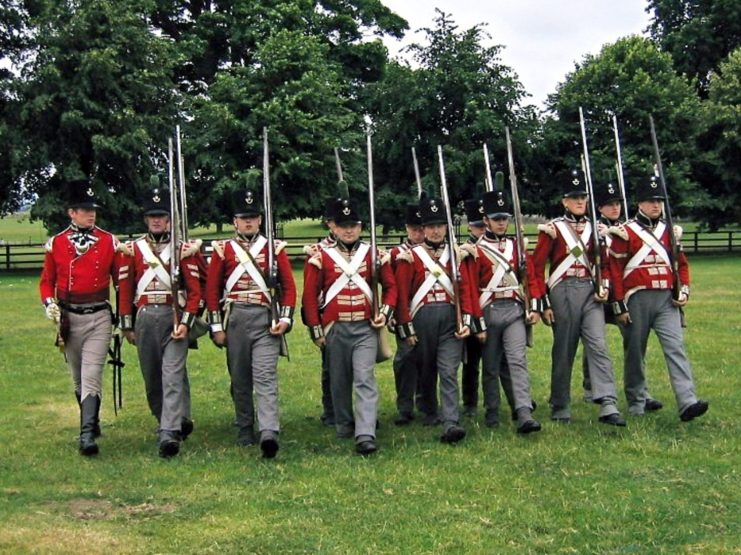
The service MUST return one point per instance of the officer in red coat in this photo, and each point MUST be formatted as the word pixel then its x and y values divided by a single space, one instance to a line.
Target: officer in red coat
pixel 426 317
pixel 75 289
pixel 238 298
pixel 153 320
pixel 337 303
pixel 641 257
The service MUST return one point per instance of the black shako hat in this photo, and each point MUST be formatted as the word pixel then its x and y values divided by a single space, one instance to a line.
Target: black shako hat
pixel 345 211
pixel 157 203
pixel 80 194
pixel 432 211
pixel 474 211
pixel 575 187
pixel 648 189
pixel 246 204
pixel 606 192
pixel 412 215
pixel 496 204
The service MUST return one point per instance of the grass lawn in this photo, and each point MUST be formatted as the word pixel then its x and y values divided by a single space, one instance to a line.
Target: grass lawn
pixel 658 486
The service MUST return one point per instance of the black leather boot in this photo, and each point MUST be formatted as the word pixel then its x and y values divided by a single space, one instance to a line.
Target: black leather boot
pixel 88 410
pixel 96 432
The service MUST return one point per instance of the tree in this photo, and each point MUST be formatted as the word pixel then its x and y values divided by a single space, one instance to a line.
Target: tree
pixel 460 96
pixel 632 79
pixel 719 168
pixel 698 34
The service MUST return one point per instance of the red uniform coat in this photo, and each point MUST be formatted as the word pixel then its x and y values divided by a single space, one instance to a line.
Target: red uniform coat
pixel 350 304
pixel 132 267
pixel 652 273
pixel 74 278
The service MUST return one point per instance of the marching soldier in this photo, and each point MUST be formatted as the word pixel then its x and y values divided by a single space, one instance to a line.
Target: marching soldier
pixel 75 289
pixel 239 303
pixel 498 300
pixel 147 300
pixel 337 304
pixel 643 283
pixel 470 370
pixel 406 369
pixel 573 308
pixel 609 202
pixel 426 318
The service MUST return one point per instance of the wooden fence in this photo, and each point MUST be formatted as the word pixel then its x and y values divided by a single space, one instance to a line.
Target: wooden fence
pixel 30 257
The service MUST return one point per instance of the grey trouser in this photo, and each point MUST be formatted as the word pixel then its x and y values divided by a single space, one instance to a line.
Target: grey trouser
pixel 252 357
pixel 405 376
pixel 162 362
pixel 327 408
pixel 578 315
pixel 86 350
pixel 654 309
pixel 351 356
pixel 506 336
pixel 439 354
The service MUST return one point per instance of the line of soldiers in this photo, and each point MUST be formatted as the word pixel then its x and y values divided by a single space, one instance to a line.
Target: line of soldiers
pixel 419 302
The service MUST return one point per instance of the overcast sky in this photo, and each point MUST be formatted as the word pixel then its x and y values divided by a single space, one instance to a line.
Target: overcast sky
pixel 542 38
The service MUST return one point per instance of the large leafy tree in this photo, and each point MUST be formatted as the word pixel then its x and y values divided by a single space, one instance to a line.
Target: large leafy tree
pixel 632 79
pixel 458 95
pixel 698 34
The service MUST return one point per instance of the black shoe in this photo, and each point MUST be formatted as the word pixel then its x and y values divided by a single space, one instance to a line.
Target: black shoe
pixel 366 448
pixel 186 428
pixel 693 411
pixel 652 405
pixel 561 419
pixel 404 419
pixel 613 419
pixel 469 411
pixel 327 419
pixel 533 406
pixel 345 432
pixel 453 434
pixel 88 447
pixel 246 436
pixel 529 426
pixel 169 448
pixel 492 420
pixel 269 445
pixel 430 420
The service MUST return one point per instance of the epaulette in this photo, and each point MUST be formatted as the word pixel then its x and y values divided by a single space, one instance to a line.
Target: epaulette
pixel 218 247
pixel 49 245
pixel 460 253
pixel 316 260
pixel 384 256
pixel 279 245
pixel 126 247
pixel 311 250
pixel 548 229
pixel 470 249
pixel 191 247
pixel 406 256
pixel 678 231
pixel 618 231
pixel 525 242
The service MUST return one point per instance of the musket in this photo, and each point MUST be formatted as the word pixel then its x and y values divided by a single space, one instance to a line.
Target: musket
pixel 174 237
pixel 596 241
pixel 521 270
pixel 182 197
pixel 455 273
pixel 375 268
pixel 676 288
pixel 619 167
pixel 487 166
pixel 340 176
pixel 416 173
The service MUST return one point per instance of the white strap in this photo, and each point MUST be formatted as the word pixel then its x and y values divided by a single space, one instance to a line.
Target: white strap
pixel 436 275
pixel 156 267
pixel 572 243
pixel 349 273
pixel 650 243
pixel 501 262
pixel 247 266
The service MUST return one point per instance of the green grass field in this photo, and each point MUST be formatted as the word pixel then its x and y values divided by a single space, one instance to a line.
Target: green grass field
pixel 659 486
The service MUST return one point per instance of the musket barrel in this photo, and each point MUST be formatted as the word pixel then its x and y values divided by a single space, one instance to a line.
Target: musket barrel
pixel 417 177
pixel 489 182
pixel 620 175
pixel 374 253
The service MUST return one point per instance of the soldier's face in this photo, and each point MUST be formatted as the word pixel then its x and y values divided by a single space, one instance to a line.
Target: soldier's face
pixel 247 225
pixel 157 224
pixel 348 233
pixel 435 233
pixel 82 217
pixel 415 233
pixel 476 230
pixel 611 210
pixel 576 205
pixel 652 207
pixel 498 225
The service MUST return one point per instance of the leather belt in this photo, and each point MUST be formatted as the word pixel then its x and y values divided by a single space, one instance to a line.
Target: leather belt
pixel 85 308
